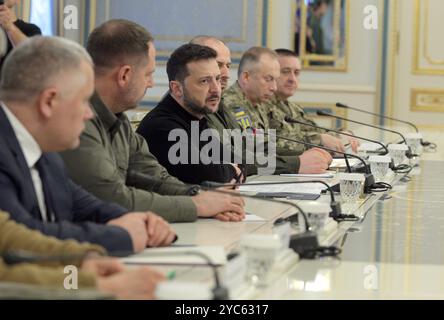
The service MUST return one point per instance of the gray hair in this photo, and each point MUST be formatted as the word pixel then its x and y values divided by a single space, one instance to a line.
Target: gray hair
pixel 251 58
pixel 36 63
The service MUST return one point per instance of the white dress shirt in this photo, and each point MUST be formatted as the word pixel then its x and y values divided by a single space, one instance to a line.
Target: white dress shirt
pixel 32 152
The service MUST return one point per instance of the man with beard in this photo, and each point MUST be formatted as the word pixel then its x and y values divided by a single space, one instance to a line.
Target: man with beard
pixel 195 91
pixel 123 53
pixel 223 120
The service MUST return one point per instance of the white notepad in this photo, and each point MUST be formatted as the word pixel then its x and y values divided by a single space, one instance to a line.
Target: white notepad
pixel 340 163
pixel 249 217
pixel 305 188
pixel 178 255
pixel 326 175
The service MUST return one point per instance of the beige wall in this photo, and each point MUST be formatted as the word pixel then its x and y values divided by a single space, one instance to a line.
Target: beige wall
pixel 360 84
pixel 417 73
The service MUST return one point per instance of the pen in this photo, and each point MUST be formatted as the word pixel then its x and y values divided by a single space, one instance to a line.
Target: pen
pixel 171 275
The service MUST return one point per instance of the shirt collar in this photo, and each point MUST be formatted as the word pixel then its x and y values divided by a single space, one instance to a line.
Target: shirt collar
pixel 110 120
pixel 242 96
pixel 30 148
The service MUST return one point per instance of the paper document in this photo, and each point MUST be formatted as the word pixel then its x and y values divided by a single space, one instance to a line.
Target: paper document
pixel 305 188
pixel 178 256
pixel 326 175
pixel 369 146
pixel 249 217
pixel 340 163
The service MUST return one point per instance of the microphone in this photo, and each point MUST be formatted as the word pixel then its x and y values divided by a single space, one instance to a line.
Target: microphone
pixel 219 291
pixel 144 179
pixel 369 178
pixel 303 243
pixel 291 120
pixel 336 212
pixel 343 106
pixel 423 143
pixel 408 153
pixel 20 256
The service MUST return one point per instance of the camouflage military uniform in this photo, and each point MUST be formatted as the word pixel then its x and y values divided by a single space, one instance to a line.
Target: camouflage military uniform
pixel 259 117
pixel 278 110
pixel 222 120
pixel 239 109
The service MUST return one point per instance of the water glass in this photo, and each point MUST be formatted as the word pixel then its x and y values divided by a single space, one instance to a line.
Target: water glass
pixel 414 142
pixel 317 214
pixel 260 252
pixel 379 166
pixel 397 152
pixel 283 231
pixel 352 186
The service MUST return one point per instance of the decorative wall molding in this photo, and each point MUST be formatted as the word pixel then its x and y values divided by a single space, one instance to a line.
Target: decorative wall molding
pixel 240 23
pixel 311 108
pixel 338 88
pixel 427 100
pixel 425 21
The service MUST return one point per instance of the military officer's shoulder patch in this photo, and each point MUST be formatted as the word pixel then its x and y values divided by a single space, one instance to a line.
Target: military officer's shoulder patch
pixel 242 117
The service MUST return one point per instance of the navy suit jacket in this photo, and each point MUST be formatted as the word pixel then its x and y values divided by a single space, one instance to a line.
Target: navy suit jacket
pixel 78 214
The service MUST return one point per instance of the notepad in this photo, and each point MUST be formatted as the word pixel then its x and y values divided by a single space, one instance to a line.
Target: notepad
pixel 287 188
pixel 178 256
pixel 340 163
pixel 369 146
pixel 326 175
pixel 249 217
pixel 289 195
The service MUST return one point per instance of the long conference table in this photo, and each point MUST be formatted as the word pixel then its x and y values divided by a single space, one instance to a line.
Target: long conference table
pixel 395 251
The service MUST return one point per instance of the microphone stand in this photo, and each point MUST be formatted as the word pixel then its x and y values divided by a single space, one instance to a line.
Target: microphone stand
pixel 423 143
pixel 408 153
pixel 343 106
pixel 20 256
pixel 302 243
pixel 291 120
pixel 369 178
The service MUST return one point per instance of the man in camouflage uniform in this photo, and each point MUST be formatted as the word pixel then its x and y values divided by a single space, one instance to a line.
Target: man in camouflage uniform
pixel 222 120
pixel 258 72
pixel 279 107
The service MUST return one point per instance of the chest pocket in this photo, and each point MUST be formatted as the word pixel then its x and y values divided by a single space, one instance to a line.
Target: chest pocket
pixel 242 118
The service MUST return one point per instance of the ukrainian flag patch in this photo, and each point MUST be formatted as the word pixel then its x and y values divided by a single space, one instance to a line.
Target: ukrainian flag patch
pixel 242 118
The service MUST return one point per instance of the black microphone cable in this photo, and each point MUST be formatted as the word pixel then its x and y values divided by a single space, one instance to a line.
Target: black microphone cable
pixel 21 256
pixel 304 243
pixel 429 145
pixel 315 252
pixel 369 186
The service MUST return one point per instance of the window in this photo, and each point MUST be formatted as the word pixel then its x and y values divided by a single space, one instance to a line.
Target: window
pixel 42 14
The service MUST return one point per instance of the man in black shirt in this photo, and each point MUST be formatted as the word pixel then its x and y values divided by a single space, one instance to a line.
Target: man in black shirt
pixel 195 91
pixel 17 30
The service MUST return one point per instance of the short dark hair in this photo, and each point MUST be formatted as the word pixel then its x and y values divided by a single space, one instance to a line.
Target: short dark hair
pixel 286 53
pixel 118 42
pixel 177 64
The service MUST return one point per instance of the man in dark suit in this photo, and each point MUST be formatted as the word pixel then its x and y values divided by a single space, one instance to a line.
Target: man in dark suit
pixel 45 87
